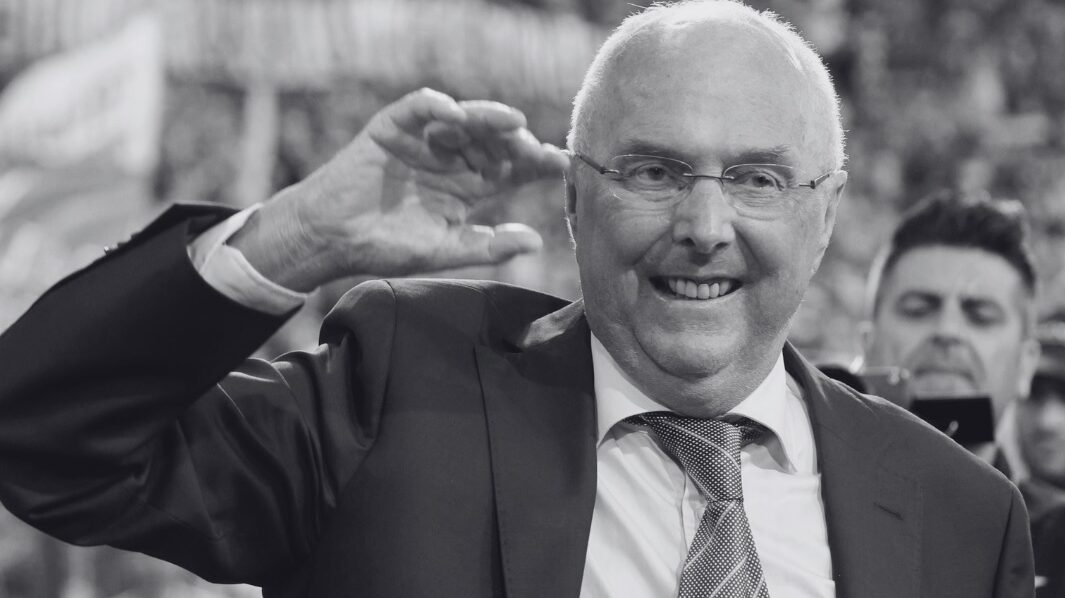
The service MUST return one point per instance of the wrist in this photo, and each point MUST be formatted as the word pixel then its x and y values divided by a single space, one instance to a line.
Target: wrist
pixel 277 243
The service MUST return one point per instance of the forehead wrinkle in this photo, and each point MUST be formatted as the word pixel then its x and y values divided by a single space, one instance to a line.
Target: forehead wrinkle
pixel 781 154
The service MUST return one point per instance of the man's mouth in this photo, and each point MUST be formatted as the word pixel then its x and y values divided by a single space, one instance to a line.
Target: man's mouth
pixel 687 288
pixel 944 382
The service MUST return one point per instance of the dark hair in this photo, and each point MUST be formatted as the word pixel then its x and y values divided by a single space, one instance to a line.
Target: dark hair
pixel 966 221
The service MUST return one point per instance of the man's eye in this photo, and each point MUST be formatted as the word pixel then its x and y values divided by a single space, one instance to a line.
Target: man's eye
pixel 756 179
pixel 915 307
pixel 651 172
pixel 984 314
pixel 761 179
pixel 652 176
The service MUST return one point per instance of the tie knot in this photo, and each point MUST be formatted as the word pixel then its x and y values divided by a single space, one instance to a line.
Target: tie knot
pixel 707 449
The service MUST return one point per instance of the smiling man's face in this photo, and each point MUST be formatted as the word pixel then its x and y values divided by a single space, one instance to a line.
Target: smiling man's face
pixel 955 318
pixel 693 297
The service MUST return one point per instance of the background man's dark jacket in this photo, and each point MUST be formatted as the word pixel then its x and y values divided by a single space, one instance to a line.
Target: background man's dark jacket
pixel 440 442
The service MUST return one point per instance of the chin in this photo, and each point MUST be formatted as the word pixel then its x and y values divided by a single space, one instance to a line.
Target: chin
pixel 689 358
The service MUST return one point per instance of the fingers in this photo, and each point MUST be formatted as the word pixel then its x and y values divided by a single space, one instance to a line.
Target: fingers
pixel 533 160
pixel 484 116
pixel 476 245
pixel 515 157
pixel 399 128
pixel 512 239
pixel 429 130
pixel 416 109
pixel 482 140
pixel 449 142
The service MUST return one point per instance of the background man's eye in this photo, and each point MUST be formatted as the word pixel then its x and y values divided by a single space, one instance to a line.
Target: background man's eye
pixel 984 315
pixel 915 307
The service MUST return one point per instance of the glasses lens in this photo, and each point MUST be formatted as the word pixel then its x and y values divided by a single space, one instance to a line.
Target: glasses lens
pixel 758 182
pixel 651 177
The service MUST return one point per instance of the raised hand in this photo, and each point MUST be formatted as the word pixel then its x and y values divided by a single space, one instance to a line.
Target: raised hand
pixel 395 200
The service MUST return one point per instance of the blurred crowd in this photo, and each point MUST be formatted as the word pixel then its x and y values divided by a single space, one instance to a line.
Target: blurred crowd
pixel 205 100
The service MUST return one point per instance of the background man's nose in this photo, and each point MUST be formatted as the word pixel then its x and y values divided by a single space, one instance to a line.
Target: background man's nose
pixel 951 324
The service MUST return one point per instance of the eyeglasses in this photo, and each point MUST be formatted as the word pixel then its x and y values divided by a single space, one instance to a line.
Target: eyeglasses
pixel 658 180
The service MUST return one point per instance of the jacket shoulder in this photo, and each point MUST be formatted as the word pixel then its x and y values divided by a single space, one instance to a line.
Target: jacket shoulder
pixel 919 449
pixel 478 309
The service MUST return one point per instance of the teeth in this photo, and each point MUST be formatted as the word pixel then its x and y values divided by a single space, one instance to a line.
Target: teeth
pixel 690 289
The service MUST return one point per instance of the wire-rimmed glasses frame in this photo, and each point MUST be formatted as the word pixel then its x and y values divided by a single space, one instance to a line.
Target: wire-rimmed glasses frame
pixel 756 185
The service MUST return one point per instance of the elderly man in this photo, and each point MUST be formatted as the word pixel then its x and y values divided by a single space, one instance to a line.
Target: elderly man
pixel 456 438
pixel 953 302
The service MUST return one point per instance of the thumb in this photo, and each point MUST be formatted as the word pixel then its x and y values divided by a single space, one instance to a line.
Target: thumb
pixel 511 239
pixel 480 245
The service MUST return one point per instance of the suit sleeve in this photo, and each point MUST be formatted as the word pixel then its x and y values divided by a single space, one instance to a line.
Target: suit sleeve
pixel 130 416
pixel 1016 569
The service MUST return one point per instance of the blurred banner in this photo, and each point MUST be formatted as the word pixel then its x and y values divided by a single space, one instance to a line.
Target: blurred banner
pixel 485 50
pixel 30 29
pixel 102 101
pixel 79 139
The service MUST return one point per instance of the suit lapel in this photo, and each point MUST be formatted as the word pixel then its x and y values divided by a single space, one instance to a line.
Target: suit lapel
pixel 540 406
pixel 873 511
pixel 541 424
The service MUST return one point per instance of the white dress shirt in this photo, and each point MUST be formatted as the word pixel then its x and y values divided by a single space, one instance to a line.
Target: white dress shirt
pixel 646 509
pixel 227 270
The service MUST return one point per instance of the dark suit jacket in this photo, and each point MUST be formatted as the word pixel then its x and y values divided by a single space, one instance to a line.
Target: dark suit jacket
pixel 1048 539
pixel 440 442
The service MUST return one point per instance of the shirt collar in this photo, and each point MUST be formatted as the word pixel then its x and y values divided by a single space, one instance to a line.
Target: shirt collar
pixel 775 403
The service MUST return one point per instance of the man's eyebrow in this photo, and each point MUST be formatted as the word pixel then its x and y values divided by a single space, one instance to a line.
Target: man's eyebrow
pixel 641 146
pixel 923 295
pixel 780 154
pixel 776 155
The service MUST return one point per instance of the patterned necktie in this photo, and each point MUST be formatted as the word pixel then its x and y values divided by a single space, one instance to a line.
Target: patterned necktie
pixel 722 560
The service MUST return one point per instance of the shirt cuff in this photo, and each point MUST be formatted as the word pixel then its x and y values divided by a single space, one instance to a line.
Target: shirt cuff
pixel 227 270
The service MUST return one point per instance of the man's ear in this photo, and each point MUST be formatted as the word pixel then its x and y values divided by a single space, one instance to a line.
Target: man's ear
pixel 838 181
pixel 866 334
pixel 1030 354
pixel 570 180
pixel 832 196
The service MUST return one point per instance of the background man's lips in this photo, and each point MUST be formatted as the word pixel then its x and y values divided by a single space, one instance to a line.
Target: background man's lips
pixel 945 371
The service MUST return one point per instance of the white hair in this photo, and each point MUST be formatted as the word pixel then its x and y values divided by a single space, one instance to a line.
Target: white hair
pixel 825 100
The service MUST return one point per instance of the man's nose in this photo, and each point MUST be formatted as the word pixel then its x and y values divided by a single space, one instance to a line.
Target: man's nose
pixel 951 324
pixel 704 218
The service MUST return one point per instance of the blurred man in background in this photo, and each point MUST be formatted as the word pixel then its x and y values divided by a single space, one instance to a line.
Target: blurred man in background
pixel 1039 468
pixel 1041 426
pixel 460 438
pixel 952 301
